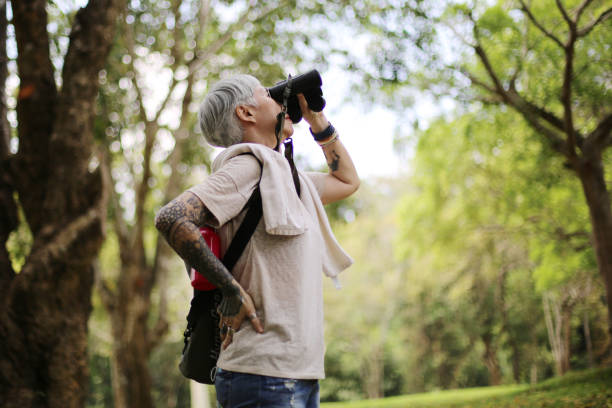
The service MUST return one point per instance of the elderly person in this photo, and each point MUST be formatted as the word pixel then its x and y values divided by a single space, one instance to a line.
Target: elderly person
pixel 273 354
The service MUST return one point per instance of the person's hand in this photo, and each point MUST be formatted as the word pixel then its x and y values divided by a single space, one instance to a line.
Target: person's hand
pixel 317 120
pixel 230 323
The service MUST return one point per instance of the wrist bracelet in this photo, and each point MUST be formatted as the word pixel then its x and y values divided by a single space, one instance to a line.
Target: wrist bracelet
pixel 330 141
pixel 326 133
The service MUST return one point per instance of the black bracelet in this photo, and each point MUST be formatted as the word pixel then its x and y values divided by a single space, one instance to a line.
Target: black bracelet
pixel 329 130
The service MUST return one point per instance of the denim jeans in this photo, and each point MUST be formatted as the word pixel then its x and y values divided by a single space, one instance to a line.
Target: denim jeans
pixel 238 390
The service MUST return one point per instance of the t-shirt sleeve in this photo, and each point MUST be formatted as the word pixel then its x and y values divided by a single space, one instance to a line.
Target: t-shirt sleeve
pixel 318 179
pixel 226 191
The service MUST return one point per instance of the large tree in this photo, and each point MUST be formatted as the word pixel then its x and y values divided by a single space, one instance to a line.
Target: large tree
pixel 563 99
pixel 546 60
pixel 46 304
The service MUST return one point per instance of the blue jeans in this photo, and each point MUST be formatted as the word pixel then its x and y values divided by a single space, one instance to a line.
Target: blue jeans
pixel 237 390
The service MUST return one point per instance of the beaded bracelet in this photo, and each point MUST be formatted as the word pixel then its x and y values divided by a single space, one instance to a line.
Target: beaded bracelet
pixel 330 141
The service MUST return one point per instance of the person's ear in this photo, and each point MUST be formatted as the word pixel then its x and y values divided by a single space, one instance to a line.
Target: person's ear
pixel 245 113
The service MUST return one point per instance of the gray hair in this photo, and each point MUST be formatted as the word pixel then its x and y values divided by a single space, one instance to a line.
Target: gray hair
pixel 218 121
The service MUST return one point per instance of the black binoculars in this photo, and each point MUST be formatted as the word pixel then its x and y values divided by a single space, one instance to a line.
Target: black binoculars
pixel 308 84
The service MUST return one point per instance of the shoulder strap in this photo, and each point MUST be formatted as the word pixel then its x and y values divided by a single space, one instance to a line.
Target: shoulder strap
pixel 289 156
pixel 247 227
pixel 245 231
pixel 239 242
pixel 233 253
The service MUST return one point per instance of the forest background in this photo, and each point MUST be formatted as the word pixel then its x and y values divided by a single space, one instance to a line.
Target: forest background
pixel 484 260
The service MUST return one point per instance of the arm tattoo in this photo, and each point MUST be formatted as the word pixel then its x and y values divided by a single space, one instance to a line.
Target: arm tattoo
pixel 334 162
pixel 178 222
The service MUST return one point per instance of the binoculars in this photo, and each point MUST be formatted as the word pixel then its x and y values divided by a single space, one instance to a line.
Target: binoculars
pixel 308 84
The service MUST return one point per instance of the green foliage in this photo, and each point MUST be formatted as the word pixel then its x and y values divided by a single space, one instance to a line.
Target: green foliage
pixel 491 221
pixel 581 389
pixel 169 387
pixel 19 243
pixel 365 348
pixel 100 389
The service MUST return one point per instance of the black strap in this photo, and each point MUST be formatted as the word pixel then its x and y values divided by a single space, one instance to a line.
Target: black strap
pixel 245 231
pixel 289 156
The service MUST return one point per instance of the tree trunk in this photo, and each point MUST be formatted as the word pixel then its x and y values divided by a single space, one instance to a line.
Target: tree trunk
pixel 8 208
pixel 372 373
pixel 132 338
pixel 591 175
pixel 566 324
pixel 131 379
pixel 491 361
pixel 586 326
pixel 515 353
pixel 533 374
pixel 558 315
pixel 45 307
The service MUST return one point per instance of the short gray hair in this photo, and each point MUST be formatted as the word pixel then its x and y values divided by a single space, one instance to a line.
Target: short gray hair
pixel 218 121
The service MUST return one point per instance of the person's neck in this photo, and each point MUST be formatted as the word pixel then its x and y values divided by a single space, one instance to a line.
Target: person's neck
pixel 251 136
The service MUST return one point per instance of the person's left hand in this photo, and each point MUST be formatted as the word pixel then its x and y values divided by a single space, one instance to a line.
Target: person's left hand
pixel 228 325
pixel 317 120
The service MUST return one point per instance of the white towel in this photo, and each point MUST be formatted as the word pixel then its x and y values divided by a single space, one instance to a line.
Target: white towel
pixel 276 186
pixel 278 197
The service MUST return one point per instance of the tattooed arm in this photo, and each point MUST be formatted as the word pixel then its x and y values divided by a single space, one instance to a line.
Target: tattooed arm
pixel 178 221
pixel 342 179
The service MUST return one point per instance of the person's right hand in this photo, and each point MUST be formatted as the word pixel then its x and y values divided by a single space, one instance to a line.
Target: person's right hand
pixel 317 120
pixel 230 322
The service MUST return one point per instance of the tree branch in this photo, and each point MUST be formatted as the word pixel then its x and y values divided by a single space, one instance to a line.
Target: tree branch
pixel 566 17
pixel 513 98
pixel 543 113
pixel 602 17
pixel 601 137
pixel 540 27
pixel 532 113
pixel 173 186
pixel 71 140
pixel 215 46
pixel 484 58
pixel 203 17
pixel 489 101
pixel 581 9
pixel 566 91
pixel 90 41
pixel 461 37
pixel 106 293
pixel 36 104
pixel 121 228
pixel 157 334
pixel 477 81
pixel 143 188
pixel 58 244
pixel 129 42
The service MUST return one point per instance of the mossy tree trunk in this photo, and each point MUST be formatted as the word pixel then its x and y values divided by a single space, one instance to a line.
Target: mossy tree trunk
pixel 46 305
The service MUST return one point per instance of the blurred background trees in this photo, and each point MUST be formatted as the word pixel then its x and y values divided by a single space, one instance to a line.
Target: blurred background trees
pixel 482 263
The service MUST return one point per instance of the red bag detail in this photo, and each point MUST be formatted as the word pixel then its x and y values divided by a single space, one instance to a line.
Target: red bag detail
pixel 198 281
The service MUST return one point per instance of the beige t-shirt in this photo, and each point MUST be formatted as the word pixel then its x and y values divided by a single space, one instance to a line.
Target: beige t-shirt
pixel 283 274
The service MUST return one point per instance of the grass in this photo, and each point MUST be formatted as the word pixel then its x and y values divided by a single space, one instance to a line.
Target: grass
pixel 585 389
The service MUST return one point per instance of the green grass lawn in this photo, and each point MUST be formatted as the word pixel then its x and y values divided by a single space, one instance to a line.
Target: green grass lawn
pixel 585 389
